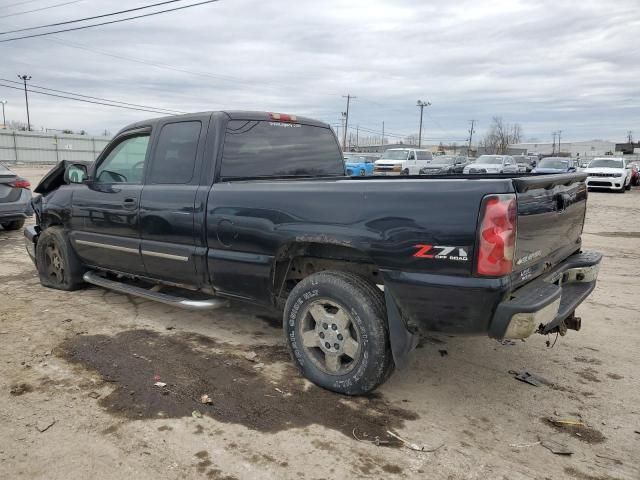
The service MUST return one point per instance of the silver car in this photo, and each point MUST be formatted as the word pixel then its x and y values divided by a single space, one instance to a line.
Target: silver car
pixel 15 199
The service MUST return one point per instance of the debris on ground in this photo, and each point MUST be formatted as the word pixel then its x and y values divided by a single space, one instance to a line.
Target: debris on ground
pixel 364 438
pixel 44 425
pixel 94 395
pixel 523 445
pixel 160 384
pixel 576 422
pixel 170 327
pixel 577 427
pixel 251 356
pixel 196 414
pixel 206 399
pixel 20 388
pixel 443 353
pixel 507 342
pixel 413 446
pixel 556 447
pixel 529 378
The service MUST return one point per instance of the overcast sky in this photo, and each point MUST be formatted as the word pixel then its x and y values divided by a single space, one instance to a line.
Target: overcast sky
pixel 548 65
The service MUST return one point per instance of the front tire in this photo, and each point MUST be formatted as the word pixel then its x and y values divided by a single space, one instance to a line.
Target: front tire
pixel 14 225
pixel 57 263
pixel 336 329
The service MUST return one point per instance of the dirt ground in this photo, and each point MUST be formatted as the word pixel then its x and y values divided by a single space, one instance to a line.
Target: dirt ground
pixel 78 400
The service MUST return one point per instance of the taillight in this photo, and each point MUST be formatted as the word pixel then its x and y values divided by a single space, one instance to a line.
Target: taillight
pixel 497 235
pixel 20 183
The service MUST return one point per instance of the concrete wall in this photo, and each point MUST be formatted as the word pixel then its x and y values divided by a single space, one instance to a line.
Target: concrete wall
pixel 49 148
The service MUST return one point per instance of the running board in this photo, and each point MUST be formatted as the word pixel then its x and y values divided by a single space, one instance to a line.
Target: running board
pixel 208 304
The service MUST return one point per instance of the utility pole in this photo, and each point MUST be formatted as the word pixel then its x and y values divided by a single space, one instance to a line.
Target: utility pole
pixel 24 78
pixel 382 142
pixel 421 104
pixel 630 136
pixel 346 121
pixel 4 119
pixel 554 143
pixel 471 132
pixel 559 133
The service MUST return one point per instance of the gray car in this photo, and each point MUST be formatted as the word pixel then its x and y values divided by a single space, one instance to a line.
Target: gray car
pixel 15 199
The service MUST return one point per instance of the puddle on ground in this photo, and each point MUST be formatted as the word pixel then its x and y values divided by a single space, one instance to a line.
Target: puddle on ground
pixel 193 365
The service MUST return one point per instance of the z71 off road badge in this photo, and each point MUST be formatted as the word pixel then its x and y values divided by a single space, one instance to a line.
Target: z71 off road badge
pixel 441 252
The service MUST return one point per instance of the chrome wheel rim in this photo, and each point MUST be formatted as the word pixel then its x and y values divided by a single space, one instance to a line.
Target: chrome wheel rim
pixel 330 337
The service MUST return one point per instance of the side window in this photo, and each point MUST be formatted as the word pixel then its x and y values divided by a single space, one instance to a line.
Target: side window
pixel 412 156
pixel 175 155
pixel 125 162
pixel 425 156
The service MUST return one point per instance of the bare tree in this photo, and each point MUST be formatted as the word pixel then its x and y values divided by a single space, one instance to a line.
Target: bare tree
pixel 500 136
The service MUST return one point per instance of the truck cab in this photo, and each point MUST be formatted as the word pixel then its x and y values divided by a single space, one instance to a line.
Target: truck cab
pixel 402 161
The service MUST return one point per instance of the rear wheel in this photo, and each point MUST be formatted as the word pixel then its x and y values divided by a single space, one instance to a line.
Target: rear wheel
pixel 405 172
pixel 336 330
pixel 13 225
pixel 58 266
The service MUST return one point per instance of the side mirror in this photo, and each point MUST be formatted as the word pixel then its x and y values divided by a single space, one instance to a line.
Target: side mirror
pixel 572 169
pixel 75 173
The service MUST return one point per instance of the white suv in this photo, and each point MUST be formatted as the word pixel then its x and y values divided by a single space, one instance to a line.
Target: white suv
pixel 608 172
pixel 402 161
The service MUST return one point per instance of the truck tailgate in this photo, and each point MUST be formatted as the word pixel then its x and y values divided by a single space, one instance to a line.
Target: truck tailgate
pixel 551 211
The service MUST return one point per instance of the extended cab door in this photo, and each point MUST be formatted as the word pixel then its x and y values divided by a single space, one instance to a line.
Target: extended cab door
pixel 104 223
pixel 171 221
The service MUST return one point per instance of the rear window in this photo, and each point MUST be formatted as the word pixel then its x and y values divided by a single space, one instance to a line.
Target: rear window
pixel 274 149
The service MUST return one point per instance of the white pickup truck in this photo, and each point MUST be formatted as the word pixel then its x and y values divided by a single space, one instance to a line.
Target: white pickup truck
pixel 402 161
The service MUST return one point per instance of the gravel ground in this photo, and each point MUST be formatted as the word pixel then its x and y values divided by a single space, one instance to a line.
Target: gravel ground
pixel 77 393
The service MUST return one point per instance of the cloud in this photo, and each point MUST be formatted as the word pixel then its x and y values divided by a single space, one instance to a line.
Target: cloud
pixel 547 65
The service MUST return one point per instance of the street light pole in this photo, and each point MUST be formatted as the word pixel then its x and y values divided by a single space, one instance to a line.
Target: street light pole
pixel 24 78
pixel 421 104
pixel 4 119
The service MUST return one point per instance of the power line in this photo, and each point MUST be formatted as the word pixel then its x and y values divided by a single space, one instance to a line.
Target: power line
pixel 90 18
pixel 19 3
pixel 109 22
pixel 168 110
pixel 41 9
pixel 86 101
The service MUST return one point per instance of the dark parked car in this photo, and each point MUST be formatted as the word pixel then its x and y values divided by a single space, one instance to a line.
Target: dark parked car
pixel 15 199
pixel 444 164
pixel 256 207
pixel 555 165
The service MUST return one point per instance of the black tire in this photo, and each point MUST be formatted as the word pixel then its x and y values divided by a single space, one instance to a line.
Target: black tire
pixel 57 263
pixel 14 225
pixel 405 172
pixel 362 303
pixel 628 187
pixel 362 173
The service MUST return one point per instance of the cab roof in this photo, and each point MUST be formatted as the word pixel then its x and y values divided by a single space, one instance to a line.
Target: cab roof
pixel 227 115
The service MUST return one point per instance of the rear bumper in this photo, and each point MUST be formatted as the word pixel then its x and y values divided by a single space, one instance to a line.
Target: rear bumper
pixel 545 303
pixel 487 306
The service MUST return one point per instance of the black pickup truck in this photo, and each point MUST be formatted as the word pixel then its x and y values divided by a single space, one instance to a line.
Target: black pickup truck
pixel 196 209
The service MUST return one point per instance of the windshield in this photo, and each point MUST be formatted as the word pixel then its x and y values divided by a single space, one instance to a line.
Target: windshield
pixel 395 155
pixel 354 159
pixel 606 163
pixel 489 160
pixel 554 163
pixel 443 161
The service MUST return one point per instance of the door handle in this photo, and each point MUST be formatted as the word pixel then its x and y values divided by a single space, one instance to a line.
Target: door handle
pixel 129 203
